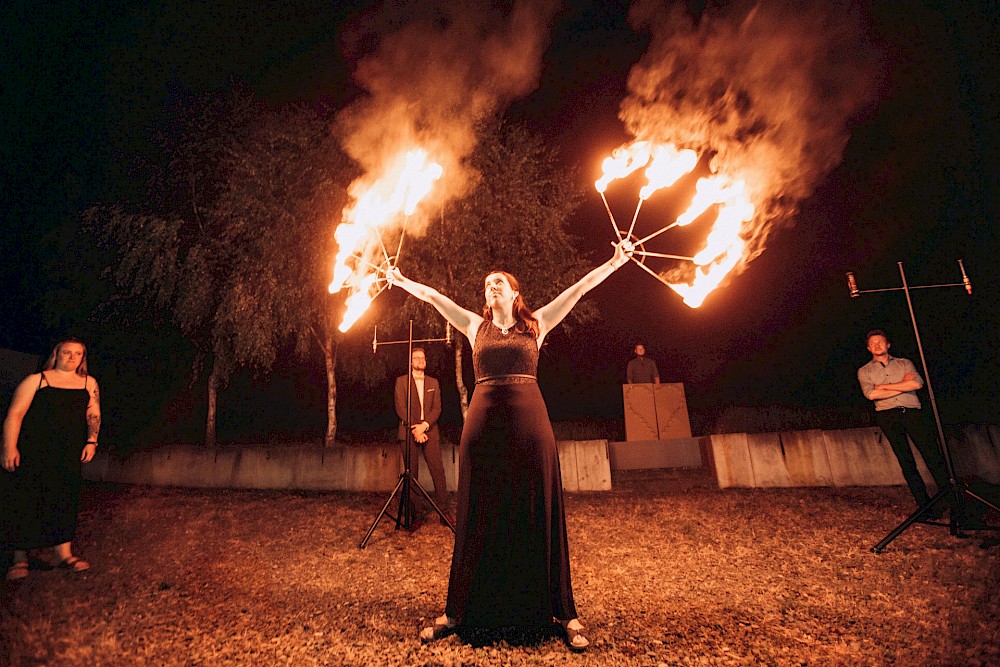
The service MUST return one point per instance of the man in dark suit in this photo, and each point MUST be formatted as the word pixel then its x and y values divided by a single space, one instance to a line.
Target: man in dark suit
pixel 425 409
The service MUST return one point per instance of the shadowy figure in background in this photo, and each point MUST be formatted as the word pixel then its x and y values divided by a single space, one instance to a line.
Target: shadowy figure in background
pixel 50 429
pixel 422 422
pixel 510 567
pixel 641 369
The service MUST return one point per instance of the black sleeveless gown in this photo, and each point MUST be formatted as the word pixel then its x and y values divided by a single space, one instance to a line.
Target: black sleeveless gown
pixel 41 499
pixel 510 566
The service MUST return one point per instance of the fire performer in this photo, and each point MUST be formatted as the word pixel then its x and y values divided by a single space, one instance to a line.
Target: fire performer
pixel 892 383
pixel 510 565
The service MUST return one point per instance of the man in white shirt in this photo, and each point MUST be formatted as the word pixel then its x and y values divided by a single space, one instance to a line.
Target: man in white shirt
pixel 425 410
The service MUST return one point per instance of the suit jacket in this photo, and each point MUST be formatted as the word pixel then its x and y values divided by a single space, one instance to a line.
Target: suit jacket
pixel 432 406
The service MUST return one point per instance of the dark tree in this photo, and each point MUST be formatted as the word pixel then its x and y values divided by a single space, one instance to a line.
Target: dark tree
pixel 234 235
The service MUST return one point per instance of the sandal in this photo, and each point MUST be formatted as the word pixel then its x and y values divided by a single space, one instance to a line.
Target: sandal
pixel 17 571
pixel 575 640
pixel 73 564
pixel 439 630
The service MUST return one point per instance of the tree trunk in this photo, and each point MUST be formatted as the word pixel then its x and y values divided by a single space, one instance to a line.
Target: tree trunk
pixel 213 392
pixel 330 360
pixel 463 393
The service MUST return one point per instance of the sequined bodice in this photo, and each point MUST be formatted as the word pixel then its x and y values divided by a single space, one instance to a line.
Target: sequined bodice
pixel 498 354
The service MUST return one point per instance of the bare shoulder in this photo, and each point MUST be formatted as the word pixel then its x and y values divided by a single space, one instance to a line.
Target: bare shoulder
pixel 24 393
pixel 29 383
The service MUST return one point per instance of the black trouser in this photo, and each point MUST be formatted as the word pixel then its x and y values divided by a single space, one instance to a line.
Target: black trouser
pixel 432 455
pixel 897 423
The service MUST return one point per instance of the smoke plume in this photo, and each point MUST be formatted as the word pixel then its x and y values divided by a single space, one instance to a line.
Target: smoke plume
pixel 769 89
pixel 430 79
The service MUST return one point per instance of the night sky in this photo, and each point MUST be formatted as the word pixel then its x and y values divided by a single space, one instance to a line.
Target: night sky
pixel 83 82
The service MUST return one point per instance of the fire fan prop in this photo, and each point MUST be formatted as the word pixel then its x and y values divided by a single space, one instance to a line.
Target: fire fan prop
pixel 380 212
pixel 664 165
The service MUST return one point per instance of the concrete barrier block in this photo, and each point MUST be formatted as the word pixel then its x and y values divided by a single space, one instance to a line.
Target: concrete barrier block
pixel 977 453
pixel 593 465
pixel 767 460
pixel 805 458
pixel 316 468
pixel 373 468
pixel 656 454
pixel 566 450
pixel 731 458
pixel 862 457
pixel 258 468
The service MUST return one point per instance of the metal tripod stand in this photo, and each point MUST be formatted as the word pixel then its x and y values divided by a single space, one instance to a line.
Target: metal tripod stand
pixel 404 514
pixel 957 489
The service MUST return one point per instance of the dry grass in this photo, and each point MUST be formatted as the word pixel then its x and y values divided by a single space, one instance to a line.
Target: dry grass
pixel 668 570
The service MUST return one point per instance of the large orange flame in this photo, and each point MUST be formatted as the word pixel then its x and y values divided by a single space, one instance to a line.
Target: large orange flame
pixel 623 161
pixel 724 246
pixel 377 208
pixel 667 166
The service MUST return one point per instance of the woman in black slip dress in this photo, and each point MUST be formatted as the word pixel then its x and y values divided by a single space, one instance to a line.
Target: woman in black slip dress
pixel 510 566
pixel 50 429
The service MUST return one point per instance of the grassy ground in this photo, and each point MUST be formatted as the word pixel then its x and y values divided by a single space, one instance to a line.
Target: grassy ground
pixel 667 570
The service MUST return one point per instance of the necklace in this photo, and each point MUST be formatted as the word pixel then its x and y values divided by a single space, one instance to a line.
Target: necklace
pixel 505 330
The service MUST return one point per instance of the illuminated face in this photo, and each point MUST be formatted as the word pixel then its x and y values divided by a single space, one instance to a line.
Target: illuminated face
pixel 498 290
pixel 640 350
pixel 878 345
pixel 418 360
pixel 69 357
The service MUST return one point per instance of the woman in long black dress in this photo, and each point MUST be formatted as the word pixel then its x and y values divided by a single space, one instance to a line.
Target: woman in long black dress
pixel 510 566
pixel 50 429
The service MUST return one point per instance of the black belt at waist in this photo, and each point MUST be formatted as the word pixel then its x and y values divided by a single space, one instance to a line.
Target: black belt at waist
pixel 899 409
pixel 512 378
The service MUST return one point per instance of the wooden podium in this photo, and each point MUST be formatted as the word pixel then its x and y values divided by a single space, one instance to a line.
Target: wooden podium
pixel 655 411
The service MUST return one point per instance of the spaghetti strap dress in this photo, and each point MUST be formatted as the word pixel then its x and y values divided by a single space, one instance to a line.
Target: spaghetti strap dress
pixel 43 493
pixel 510 567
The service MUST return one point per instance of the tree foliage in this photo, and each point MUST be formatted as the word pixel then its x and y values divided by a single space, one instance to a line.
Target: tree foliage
pixel 234 235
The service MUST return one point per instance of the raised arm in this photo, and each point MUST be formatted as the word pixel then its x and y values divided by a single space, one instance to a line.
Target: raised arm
pixel 556 310
pixel 463 320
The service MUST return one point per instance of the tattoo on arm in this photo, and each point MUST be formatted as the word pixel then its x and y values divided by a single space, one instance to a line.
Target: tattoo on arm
pixel 93 426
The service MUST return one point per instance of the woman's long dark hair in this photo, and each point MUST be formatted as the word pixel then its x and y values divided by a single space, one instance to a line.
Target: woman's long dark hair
pixel 524 320
pixel 81 370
